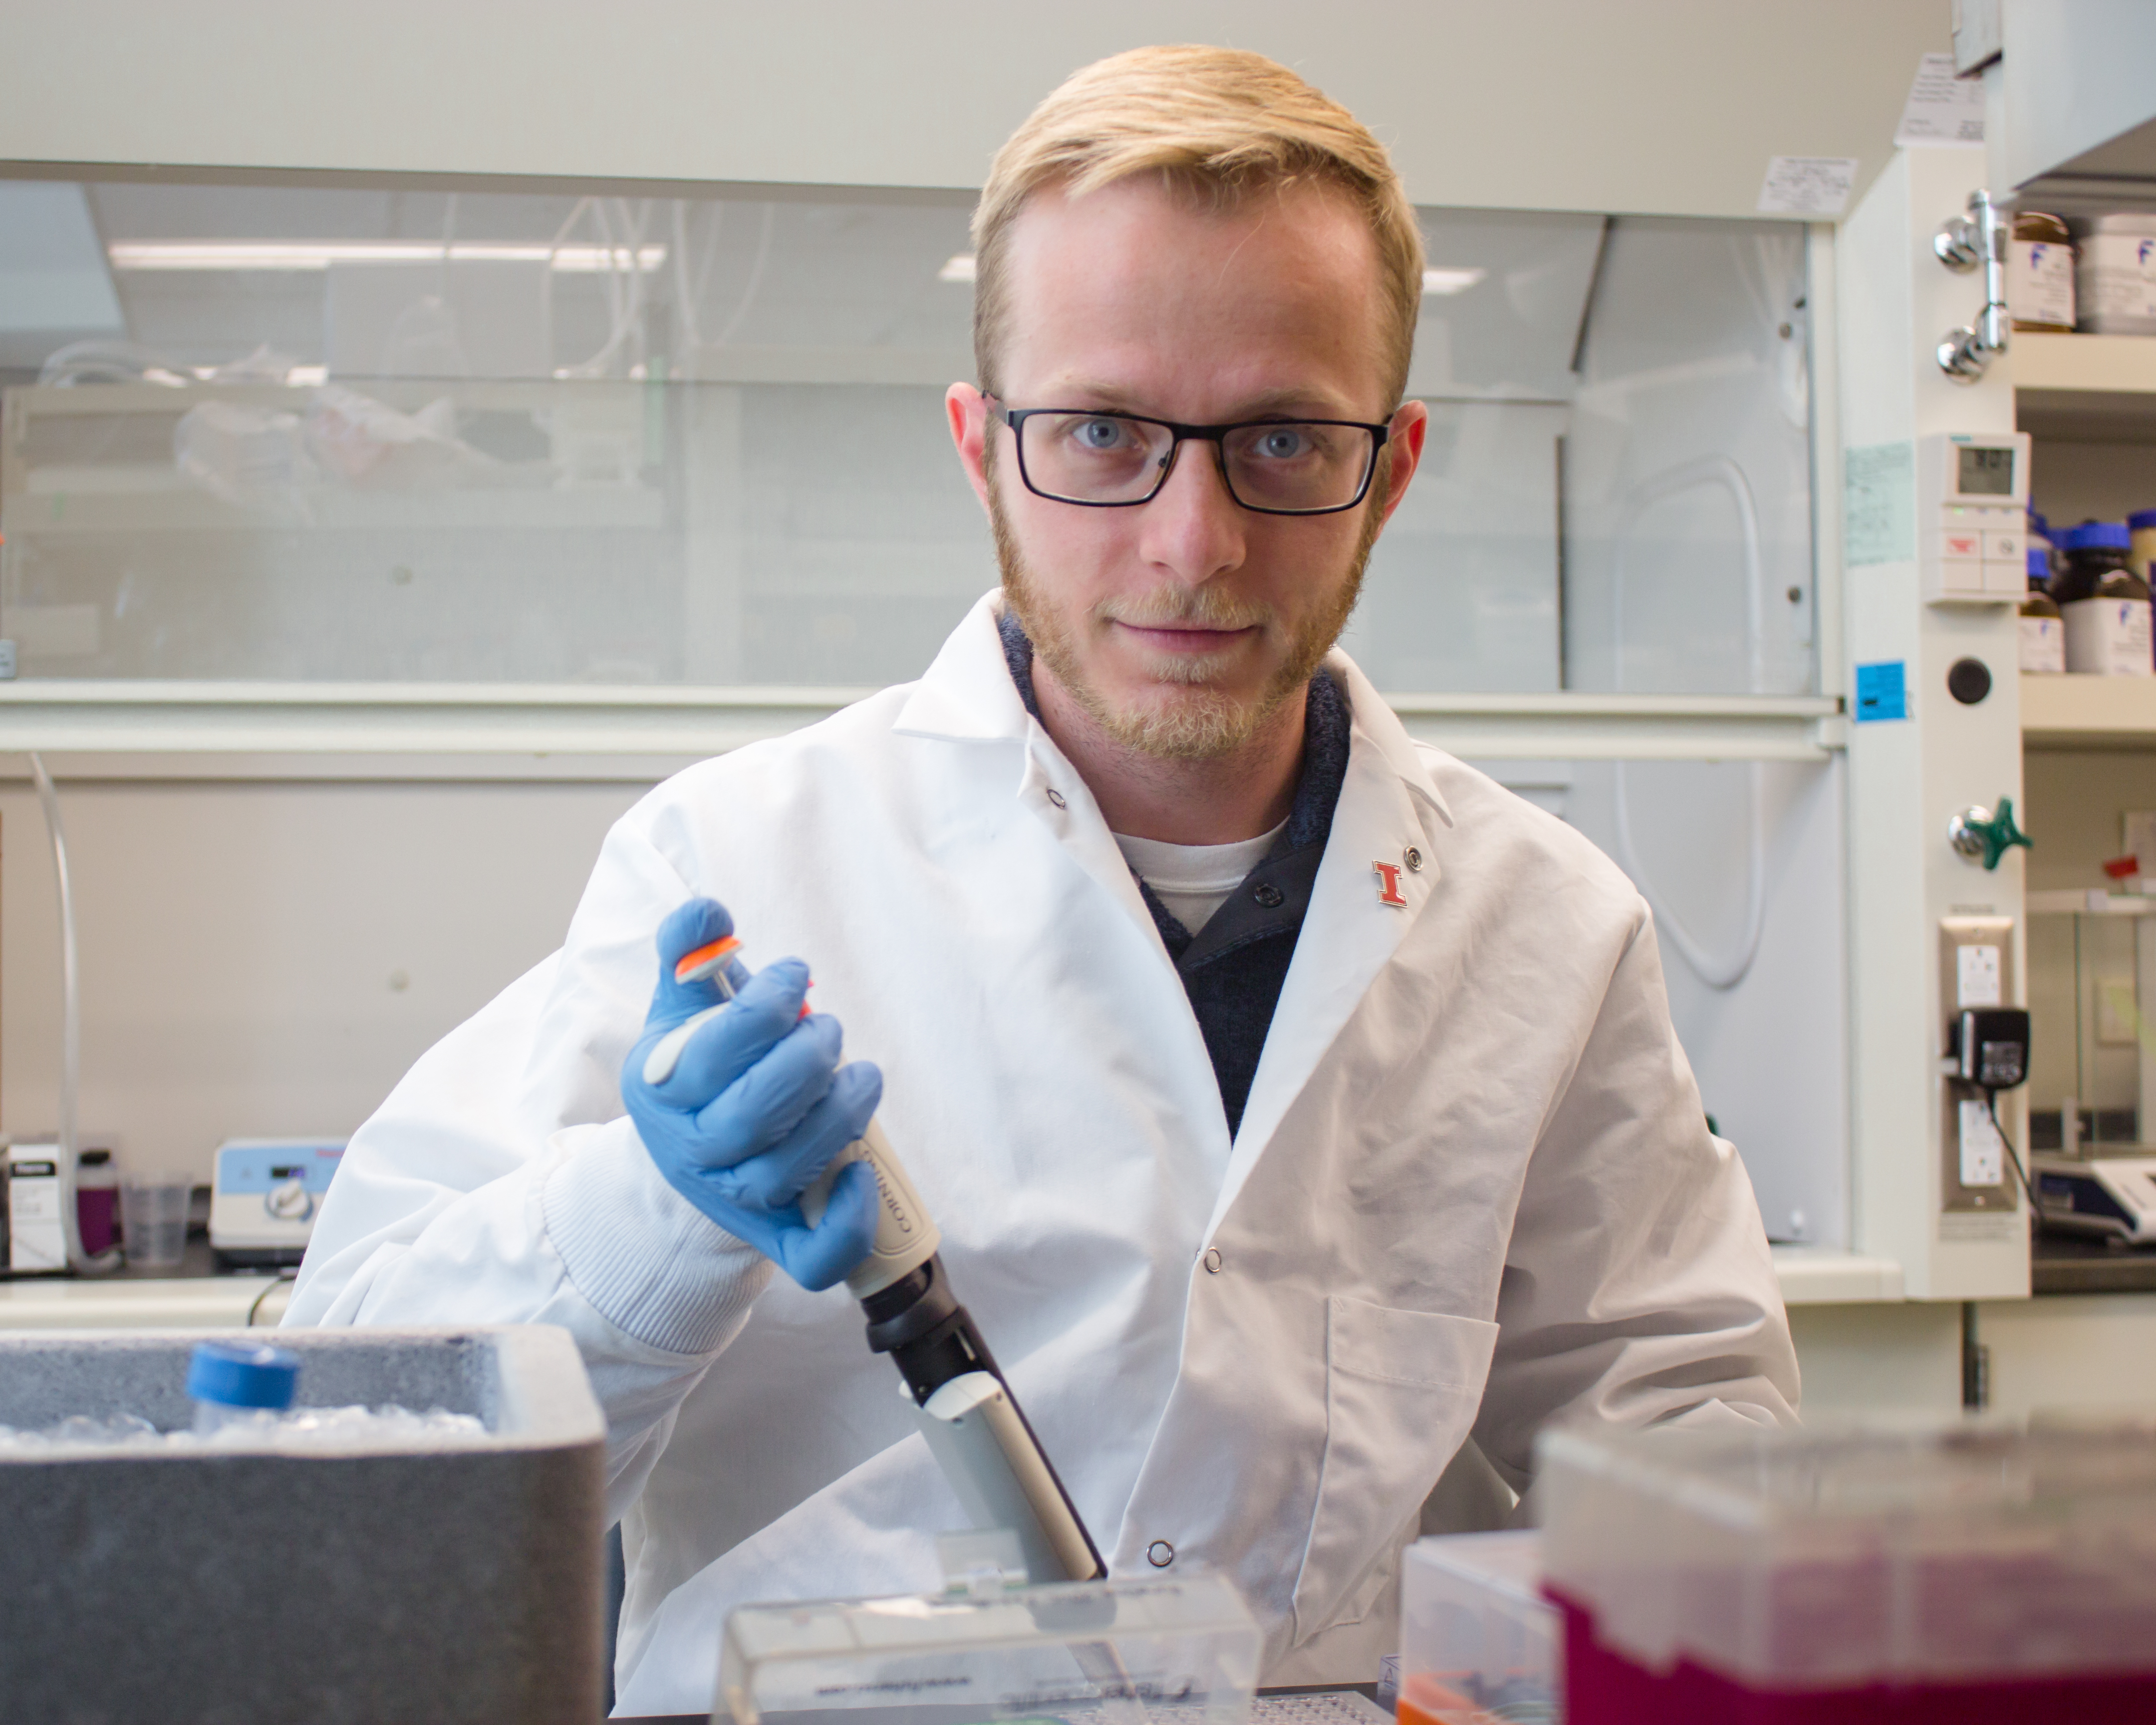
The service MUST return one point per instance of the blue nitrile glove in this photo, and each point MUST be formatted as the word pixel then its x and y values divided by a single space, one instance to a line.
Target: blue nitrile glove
pixel 756 1106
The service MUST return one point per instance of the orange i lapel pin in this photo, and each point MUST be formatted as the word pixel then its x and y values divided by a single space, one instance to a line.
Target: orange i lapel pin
pixel 1388 884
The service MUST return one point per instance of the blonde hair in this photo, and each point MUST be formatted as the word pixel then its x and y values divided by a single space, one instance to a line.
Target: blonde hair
pixel 1216 124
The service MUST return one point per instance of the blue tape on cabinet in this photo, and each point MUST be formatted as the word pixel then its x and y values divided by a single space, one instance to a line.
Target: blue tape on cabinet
pixel 1882 692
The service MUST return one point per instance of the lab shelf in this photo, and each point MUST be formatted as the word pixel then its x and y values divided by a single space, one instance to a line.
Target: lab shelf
pixel 1581 726
pixel 2095 901
pixel 2088 712
pixel 393 720
pixel 2103 365
pixel 2085 388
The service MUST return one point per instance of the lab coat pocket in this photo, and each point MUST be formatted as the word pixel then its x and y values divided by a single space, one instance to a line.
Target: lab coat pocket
pixel 1401 1389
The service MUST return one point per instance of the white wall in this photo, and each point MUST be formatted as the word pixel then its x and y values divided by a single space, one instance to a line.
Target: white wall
pixel 1859 1361
pixel 2080 1351
pixel 1668 106
pixel 264 958
pixel 2059 1351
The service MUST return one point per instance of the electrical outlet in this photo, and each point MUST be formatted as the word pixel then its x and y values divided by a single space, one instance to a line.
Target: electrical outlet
pixel 1976 970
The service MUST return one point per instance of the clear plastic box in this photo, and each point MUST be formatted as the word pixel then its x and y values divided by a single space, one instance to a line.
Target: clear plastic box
pixel 1792 1574
pixel 1184 1650
pixel 1478 1641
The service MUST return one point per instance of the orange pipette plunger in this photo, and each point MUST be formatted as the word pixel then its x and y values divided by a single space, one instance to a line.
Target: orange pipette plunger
pixel 708 962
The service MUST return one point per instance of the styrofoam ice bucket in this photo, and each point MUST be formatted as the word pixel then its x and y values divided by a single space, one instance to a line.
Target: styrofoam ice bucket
pixel 458 1581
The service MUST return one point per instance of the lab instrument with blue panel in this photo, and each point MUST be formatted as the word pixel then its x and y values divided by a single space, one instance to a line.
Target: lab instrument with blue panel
pixel 266 1195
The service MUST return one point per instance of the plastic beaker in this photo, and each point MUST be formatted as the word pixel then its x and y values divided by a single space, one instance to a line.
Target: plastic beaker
pixel 153 1218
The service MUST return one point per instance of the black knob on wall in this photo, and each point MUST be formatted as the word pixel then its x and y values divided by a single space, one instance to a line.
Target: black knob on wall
pixel 1970 680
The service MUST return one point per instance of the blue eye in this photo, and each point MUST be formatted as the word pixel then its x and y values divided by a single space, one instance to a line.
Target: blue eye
pixel 1097 435
pixel 1282 443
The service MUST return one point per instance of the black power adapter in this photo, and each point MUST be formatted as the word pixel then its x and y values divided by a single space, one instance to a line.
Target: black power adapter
pixel 1990 1047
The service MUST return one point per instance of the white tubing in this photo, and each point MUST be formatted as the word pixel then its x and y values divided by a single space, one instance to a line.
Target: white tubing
pixel 684 297
pixel 755 277
pixel 1717 970
pixel 70 1021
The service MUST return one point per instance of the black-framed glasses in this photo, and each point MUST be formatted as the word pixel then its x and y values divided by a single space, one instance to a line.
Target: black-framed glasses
pixel 1102 461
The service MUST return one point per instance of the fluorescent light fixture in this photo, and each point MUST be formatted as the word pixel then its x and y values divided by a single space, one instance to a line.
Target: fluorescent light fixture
pixel 309 254
pixel 957 268
pixel 1450 281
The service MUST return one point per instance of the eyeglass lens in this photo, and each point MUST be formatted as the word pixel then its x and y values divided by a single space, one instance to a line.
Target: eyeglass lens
pixel 1102 458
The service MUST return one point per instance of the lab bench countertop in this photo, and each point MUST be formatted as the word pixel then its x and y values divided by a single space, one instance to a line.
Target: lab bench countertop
pixel 194 1295
pixel 198 1295
pixel 2063 1263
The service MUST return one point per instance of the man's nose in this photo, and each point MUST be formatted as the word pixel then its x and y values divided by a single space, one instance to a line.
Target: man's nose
pixel 1194 529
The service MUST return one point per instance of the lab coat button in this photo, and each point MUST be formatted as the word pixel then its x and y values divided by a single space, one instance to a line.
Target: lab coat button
pixel 1056 797
pixel 1268 895
pixel 1413 858
pixel 1160 1555
pixel 1212 1260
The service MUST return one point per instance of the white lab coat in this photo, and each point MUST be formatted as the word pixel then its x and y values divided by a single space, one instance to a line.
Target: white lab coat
pixel 1473 1185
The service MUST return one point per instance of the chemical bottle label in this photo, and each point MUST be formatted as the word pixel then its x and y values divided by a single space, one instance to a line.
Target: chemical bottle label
pixel 2109 637
pixel 2039 283
pixel 2118 277
pixel 2043 643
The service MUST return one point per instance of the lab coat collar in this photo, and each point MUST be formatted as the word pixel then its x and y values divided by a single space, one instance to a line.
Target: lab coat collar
pixel 967 694
pixel 1379 725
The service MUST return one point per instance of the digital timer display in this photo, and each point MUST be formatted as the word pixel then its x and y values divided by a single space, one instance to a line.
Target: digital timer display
pixel 1986 473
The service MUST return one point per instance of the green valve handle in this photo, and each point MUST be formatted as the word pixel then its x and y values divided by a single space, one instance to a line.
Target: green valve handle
pixel 1977 834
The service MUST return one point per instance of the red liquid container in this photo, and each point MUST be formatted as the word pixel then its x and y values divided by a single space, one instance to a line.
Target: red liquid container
pixel 1603 1687
pixel 97 1201
pixel 1977 1573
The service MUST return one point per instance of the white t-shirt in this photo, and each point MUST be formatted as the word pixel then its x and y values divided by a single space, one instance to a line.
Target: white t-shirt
pixel 1194 881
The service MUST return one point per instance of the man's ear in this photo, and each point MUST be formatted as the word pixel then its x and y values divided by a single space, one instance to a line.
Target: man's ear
pixel 1403 450
pixel 968 410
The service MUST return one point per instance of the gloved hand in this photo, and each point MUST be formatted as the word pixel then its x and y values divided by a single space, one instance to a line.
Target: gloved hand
pixel 756 1106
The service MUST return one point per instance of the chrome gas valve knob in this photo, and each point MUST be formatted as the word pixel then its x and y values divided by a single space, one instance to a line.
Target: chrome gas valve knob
pixel 1982 836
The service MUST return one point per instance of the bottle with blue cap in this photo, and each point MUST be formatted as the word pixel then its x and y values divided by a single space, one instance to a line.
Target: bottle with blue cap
pixel 241 1384
pixel 2141 542
pixel 2043 631
pixel 2104 604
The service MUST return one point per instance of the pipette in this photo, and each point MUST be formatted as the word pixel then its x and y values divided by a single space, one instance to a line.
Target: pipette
pixel 975 1427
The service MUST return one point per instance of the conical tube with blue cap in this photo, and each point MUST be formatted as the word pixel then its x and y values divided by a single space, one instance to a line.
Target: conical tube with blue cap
pixel 240 1384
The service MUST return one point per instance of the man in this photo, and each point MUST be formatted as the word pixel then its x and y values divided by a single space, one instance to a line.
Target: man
pixel 1295 1102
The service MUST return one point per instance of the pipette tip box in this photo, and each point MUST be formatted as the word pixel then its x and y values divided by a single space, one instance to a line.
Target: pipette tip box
pixel 1478 1641
pixel 1184 1650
